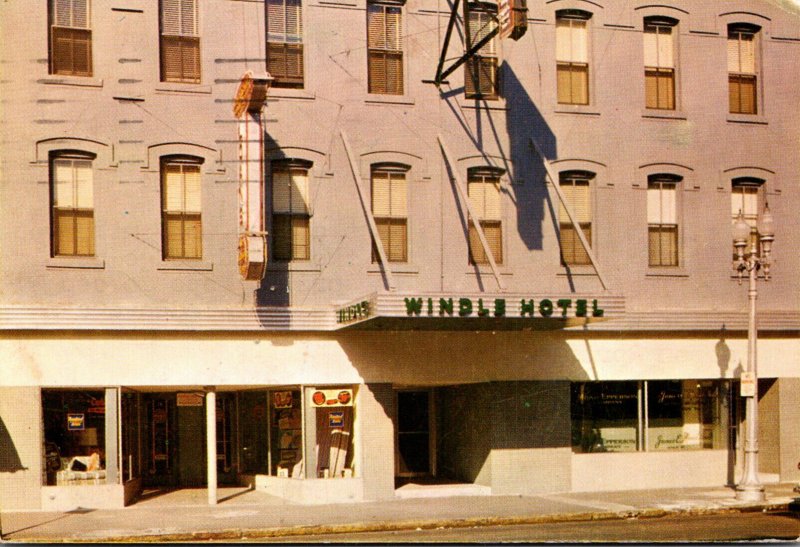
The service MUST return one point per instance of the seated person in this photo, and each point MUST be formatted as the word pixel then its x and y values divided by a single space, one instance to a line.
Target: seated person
pixel 95 459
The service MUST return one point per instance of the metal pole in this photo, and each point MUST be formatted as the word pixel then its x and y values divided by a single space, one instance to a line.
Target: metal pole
pixel 749 488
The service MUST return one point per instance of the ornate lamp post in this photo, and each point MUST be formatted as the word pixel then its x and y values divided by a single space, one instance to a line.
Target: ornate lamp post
pixel 751 261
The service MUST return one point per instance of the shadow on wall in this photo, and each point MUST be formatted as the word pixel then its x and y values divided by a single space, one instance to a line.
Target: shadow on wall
pixel 9 457
pixel 525 123
pixel 274 288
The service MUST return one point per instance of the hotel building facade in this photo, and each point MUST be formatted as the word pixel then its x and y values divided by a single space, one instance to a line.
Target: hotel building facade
pixel 428 308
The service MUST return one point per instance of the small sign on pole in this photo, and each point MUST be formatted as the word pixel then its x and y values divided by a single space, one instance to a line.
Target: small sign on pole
pixel 747 384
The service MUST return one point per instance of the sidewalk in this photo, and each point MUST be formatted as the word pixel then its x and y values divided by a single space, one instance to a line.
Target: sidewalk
pixel 183 515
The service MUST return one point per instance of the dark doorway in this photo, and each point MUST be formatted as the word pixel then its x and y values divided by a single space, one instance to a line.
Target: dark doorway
pixel 414 434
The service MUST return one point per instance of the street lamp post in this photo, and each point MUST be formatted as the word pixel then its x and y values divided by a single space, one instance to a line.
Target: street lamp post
pixel 751 261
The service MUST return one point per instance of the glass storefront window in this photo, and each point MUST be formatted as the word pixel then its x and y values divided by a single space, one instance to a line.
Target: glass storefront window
pixel 74 435
pixel 334 432
pixel 605 417
pixel 653 415
pixel 286 434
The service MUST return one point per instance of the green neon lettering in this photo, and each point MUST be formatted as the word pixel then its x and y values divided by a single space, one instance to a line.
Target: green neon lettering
pixel 526 308
pixel 499 307
pixel 564 303
pixel 445 306
pixel 546 307
pixel 580 308
pixel 413 305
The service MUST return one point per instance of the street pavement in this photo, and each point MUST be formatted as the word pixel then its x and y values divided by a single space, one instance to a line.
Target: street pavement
pixel 184 515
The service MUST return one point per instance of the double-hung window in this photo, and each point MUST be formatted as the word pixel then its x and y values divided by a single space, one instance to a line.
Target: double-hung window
pixel 662 220
pixel 291 234
pixel 390 209
pixel 744 198
pixel 70 37
pixel 483 190
pixel 285 42
pixel 385 48
pixel 72 212
pixel 659 63
pixel 181 225
pixel 180 41
pixel 576 188
pixel 572 56
pixel 743 68
pixel 480 73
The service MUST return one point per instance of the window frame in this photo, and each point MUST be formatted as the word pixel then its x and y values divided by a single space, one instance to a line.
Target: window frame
pixel 72 35
pixel 181 160
pixel 659 181
pixel 303 218
pixel 744 183
pixel 487 175
pixel 588 179
pixel 660 71
pixel 78 212
pixel 390 220
pixel 178 44
pixel 571 66
pixel 287 47
pixel 737 79
pixel 374 52
pixel 486 60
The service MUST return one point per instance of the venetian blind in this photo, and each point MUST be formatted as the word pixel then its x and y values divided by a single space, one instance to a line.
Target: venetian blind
pixel 484 196
pixel 658 46
pixel 577 195
pixel 73 184
pixel 179 17
pixel 284 21
pixel 741 52
pixel 661 204
pixel 182 188
pixel 290 191
pixel 71 13
pixel 571 40
pixel 481 23
pixel 389 194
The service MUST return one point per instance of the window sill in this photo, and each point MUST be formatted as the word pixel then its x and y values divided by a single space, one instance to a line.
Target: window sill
pixel 654 113
pixel 186 266
pixel 580 109
pixel 484 104
pixel 277 266
pixel 395 268
pixel 666 271
pixel 175 87
pixel 389 99
pixel 754 119
pixel 76 263
pixel 76 81
pixel 278 93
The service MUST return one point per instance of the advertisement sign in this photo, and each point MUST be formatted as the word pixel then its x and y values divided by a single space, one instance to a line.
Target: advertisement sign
pixel 332 397
pixel 75 422
pixel 282 399
pixel 747 384
pixel 190 399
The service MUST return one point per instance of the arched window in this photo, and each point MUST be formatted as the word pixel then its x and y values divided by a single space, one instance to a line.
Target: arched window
pixel 72 203
pixel 390 209
pixel 572 56
pixel 385 47
pixel 483 189
pixel 480 73
pixel 743 68
pixel 577 190
pixel 662 220
pixel 181 207
pixel 745 196
pixel 291 231
pixel 659 62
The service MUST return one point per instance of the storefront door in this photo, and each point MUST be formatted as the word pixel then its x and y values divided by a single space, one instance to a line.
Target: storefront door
pixel 160 440
pixel 414 455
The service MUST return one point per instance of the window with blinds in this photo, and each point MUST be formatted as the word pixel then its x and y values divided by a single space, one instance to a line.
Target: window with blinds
pixel 662 220
pixel 390 209
pixel 70 37
pixel 480 71
pixel 576 188
pixel 659 63
pixel 181 221
pixel 180 41
pixel 285 42
pixel 291 233
pixel 385 49
pixel 484 194
pixel 745 197
pixel 572 56
pixel 72 211
pixel 743 69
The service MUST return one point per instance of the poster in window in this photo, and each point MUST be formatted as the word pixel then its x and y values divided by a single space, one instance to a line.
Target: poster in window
pixel 282 399
pixel 75 422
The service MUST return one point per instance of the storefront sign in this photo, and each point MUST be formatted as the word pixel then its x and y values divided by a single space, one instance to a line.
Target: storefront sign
pixel 747 384
pixel 336 419
pixel 75 422
pixel 332 397
pixel 467 307
pixel 190 399
pixel 354 312
pixel 97 406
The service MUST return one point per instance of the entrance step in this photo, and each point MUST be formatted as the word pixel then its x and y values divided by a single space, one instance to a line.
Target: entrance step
pixel 413 490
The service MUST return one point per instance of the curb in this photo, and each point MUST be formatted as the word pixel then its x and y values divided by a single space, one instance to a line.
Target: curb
pixel 400 525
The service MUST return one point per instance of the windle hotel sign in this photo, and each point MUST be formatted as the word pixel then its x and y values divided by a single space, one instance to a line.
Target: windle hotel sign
pixel 546 308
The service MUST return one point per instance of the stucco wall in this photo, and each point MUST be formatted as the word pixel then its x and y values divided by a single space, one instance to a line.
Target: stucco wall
pixel 21 448
pixel 789 440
